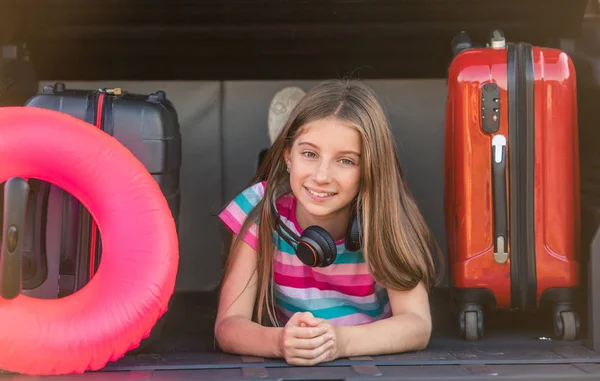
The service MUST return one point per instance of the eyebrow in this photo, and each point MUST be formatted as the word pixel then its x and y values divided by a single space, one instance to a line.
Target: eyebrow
pixel 343 152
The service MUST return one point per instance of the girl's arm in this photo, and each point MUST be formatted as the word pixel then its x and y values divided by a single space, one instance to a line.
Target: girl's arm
pixel 408 329
pixel 234 330
pixel 300 342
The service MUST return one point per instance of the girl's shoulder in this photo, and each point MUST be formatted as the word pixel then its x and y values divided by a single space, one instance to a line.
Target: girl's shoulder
pixel 238 209
pixel 249 197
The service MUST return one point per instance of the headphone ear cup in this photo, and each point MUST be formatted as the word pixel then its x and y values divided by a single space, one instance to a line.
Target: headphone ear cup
pixel 353 236
pixel 316 248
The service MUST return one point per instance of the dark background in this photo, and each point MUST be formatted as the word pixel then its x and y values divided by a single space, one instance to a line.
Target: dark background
pixel 252 39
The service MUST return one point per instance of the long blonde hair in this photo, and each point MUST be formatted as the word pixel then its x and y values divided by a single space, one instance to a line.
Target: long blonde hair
pixel 396 242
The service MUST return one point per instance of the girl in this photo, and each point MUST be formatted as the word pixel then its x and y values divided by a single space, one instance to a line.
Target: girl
pixel 358 282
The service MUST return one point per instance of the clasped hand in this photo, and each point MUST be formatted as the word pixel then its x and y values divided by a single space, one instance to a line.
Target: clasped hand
pixel 306 340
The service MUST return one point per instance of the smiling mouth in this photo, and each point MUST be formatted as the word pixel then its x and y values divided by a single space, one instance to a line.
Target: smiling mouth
pixel 319 194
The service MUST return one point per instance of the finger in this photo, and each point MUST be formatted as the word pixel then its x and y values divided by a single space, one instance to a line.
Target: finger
pixel 307 332
pixel 310 320
pixel 313 352
pixel 313 343
pixel 324 323
pixel 299 317
pixel 308 362
pixel 313 323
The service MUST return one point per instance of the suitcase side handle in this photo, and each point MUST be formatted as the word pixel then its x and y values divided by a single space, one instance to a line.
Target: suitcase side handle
pixel 16 193
pixel 499 198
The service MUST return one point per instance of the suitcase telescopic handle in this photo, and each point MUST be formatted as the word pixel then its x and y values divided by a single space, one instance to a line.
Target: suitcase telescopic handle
pixel 499 197
pixel 16 193
pixel 460 42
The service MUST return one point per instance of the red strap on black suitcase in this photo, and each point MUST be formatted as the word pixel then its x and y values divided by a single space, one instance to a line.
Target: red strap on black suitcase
pixel 94 228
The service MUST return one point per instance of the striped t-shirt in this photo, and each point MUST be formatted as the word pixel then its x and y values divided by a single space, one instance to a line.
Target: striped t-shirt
pixel 344 293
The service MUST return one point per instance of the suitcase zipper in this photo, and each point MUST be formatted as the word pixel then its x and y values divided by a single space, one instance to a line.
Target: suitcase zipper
pixel 520 86
pixel 85 271
pixel 104 121
pixel 98 113
pixel 94 228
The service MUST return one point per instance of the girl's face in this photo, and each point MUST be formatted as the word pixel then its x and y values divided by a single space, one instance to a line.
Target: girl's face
pixel 324 163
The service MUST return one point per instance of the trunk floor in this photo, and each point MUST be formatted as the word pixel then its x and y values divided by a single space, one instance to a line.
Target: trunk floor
pixel 189 330
pixel 511 340
pixel 186 350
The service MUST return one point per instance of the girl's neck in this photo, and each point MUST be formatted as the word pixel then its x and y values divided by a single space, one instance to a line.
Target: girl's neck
pixel 335 224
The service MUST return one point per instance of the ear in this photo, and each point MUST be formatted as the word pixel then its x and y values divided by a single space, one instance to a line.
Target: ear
pixel 287 156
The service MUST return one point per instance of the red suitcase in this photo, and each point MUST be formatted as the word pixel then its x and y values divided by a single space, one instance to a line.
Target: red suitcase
pixel 511 187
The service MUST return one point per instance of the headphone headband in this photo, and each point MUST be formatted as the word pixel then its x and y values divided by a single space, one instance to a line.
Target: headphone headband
pixel 279 225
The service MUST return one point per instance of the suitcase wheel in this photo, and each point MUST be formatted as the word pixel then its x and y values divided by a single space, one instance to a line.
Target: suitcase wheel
pixel 471 324
pixel 566 324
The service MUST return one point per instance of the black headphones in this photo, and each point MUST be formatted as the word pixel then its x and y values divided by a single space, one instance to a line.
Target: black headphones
pixel 315 247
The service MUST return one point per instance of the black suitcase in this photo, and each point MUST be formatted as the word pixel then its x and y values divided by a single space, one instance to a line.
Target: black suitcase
pixel 62 247
pixel 148 126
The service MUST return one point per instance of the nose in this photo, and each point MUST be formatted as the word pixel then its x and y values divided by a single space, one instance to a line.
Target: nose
pixel 322 173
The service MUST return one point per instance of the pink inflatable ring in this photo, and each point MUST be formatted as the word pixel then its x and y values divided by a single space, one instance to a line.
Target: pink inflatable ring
pixel 136 277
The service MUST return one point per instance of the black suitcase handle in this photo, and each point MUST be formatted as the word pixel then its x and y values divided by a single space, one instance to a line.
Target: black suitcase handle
pixel 499 197
pixel 16 193
pixel 460 42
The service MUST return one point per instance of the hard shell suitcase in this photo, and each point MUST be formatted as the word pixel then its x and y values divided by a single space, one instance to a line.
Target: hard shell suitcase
pixel 61 249
pixel 512 182
pixel 148 126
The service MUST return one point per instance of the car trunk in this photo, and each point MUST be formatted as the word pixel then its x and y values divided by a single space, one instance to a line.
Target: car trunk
pixel 220 63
